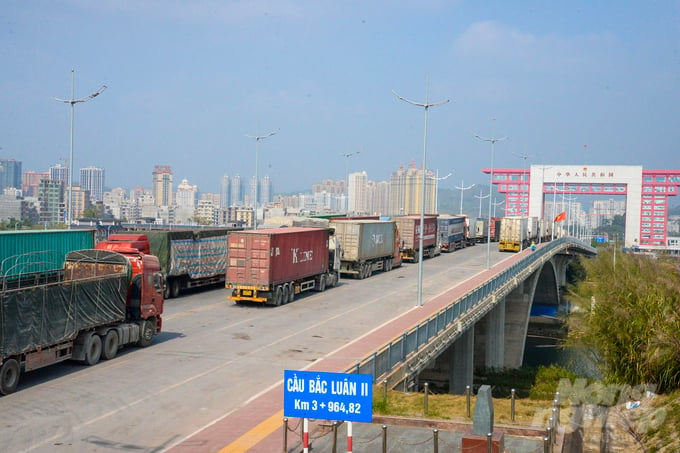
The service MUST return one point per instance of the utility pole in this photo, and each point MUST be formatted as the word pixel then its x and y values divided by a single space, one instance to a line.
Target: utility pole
pixel 426 106
pixel 436 189
pixel 73 101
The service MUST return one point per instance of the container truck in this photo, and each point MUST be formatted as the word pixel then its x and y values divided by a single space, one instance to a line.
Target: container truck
pixel 495 229
pixel 517 233
pixel 409 230
pixel 481 230
pixel 272 266
pixel 96 303
pixel 189 258
pixel 451 232
pixel 50 245
pixel 367 245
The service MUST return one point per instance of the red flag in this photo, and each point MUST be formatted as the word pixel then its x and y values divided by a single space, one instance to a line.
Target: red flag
pixel 561 216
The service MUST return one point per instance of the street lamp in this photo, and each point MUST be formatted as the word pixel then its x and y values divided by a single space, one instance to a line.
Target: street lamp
pixel 494 206
pixel 481 197
pixel 462 189
pixel 436 189
pixel 523 178
pixel 426 106
pixel 73 101
pixel 493 141
pixel 347 156
pixel 257 182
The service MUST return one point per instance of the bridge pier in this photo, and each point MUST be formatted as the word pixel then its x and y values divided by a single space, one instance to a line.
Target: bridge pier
pixel 517 311
pixel 461 362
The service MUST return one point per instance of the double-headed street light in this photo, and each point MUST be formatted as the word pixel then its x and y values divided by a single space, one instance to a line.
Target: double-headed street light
pixel 436 189
pixel 426 106
pixel 347 156
pixel 493 141
pixel 462 189
pixel 73 101
pixel 257 139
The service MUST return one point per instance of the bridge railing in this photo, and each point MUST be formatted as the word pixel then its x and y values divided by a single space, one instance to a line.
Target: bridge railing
pixel 397 351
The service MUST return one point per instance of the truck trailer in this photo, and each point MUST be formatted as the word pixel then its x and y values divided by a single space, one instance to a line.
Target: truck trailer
pixel 451 232
pixel 517 233
pixel 367 245
pixel 189 258
pixel 51 246
pixel 274 265
pixel 409 230
pixel 96 303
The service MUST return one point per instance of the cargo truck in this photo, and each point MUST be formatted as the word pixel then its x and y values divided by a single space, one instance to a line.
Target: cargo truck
pixel 495 229
pixel 50 245
pixel 517 233
pixel 96 303
pixel 481 230
pixel 272 266
pixel 451 232
pixel 409 230
pixel 189 258
pixel 368 245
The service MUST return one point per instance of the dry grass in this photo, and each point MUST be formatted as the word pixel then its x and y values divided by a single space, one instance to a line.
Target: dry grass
pixel 454 407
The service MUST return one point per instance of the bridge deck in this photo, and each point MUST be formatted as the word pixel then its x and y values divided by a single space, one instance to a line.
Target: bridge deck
pixel 256 426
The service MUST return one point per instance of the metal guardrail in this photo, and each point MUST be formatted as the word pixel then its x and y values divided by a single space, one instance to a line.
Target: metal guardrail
pixel 384 360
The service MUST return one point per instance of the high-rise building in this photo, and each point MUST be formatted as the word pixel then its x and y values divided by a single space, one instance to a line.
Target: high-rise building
pixel 357 194
pixel 406 191
pixel 10 173
pixel 92 179
pixel 236 196
pixel 30 181
pixel 378 197
pixel 265 191
pixel 82 200
pixel 186 194
pixel 59 172
pixel 162 185
pixel 224 191
pixel 51 198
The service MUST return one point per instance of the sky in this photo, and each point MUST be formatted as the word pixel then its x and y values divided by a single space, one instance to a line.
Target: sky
pixel 567 82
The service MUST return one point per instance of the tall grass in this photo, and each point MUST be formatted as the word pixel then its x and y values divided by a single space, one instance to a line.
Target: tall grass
pixel 628 314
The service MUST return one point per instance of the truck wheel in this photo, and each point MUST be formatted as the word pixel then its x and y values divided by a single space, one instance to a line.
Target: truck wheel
pixel 146 334
pixel 9 376
pixel 291 292
pixel 93 350
pixel 175 288
pixel 278 296
pixel 110 345
pixel 284 294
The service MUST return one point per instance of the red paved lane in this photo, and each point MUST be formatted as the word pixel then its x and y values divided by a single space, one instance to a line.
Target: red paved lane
pixel 257 426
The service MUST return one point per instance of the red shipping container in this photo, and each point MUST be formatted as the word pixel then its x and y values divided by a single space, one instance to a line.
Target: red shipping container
pixel 274 256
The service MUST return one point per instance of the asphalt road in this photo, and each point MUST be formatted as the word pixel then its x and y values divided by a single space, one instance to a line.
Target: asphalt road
pixel 212 357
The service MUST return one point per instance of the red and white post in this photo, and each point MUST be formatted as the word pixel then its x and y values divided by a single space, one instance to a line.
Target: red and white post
pixel 305 435
pixel 349 437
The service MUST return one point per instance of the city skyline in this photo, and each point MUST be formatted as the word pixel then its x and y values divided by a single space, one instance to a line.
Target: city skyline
pixel 576 84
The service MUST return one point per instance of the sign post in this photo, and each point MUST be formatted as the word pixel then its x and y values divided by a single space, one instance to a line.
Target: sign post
pixel 328 396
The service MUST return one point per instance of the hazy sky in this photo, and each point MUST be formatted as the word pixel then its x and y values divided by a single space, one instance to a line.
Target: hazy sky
pixel 571 82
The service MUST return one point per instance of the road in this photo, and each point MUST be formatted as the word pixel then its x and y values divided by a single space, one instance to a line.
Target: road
pixel 212 357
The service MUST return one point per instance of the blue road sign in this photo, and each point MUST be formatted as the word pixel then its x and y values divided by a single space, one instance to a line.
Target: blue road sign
pixel 328 396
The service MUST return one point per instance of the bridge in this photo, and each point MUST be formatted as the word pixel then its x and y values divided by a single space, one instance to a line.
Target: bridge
pixel 483 322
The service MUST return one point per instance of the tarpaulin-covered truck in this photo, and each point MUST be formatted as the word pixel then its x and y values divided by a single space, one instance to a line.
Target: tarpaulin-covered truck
pixel 189 258
pixel 367 245
pixel 409 230
pixel 98 302
pixel 273 265
pixel 451 232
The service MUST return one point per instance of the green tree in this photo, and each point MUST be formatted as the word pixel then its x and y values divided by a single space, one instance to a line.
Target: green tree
pixel 628 315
